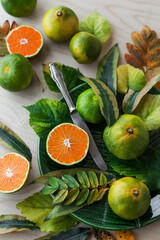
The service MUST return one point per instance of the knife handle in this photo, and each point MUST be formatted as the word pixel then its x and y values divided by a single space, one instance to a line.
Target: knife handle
pixel 57 77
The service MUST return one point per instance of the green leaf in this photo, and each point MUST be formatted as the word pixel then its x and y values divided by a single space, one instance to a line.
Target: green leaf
pixel 107 100
pixel 70 181
pixel 96 25
pixel 103 180
pixel 149 110
pixel 93 179
pixel 122 79
pixel 36 207
pixel 136 78
pixel 143 168
pixel 107 69
pixel 83 179
pixel 132 98
pixel 74 234
pixel 48 190
pixel 47 113
pixel 62 185
pixel 60 197
pixel 92 196
pixel 10 139
pixel 82 197
pixel 101 193
pixel 11 223
pixel 70 77
pixel 72 195
pixel 58 224
pixel 53 182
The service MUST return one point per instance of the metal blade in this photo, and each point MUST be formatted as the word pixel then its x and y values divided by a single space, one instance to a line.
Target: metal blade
pixel 92 147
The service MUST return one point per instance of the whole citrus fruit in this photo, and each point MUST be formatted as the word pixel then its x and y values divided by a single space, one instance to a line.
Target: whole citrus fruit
pixel 60 23
pixel 19 8
pixel 129 198
pixel 128 137
pixel 88 107
pixel 85 47
pixel 15 72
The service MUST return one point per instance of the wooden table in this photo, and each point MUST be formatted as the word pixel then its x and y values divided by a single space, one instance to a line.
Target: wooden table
pixel 125 16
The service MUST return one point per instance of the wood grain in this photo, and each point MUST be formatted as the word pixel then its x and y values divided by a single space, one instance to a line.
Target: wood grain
pixel 125 16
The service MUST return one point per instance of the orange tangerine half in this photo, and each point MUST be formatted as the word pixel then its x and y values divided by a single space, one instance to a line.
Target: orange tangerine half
pixel 67 144
pixel 24 40
pixel 14 170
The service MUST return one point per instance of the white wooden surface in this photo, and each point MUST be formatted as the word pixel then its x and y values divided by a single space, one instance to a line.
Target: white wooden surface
pixel 125 16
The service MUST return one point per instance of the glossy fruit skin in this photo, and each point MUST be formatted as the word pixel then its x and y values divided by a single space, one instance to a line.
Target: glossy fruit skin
pixel 129 198
pixel 19 8
pixel 15 72
pixel 60 23
pixel 85 47
pixel 88 107
pixel 127 138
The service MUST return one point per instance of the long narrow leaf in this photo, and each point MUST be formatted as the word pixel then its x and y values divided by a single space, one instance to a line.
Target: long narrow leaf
pixel 107 69
pixel 107 100
pixel 10 139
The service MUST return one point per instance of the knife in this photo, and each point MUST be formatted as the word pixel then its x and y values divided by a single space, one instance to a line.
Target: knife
pixel 57 77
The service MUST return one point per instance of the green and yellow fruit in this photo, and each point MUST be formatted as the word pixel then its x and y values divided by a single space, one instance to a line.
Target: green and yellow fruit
pixel 127 138
pixel 85 47
pixel 129 198
pixel 60 23
pixel 15 72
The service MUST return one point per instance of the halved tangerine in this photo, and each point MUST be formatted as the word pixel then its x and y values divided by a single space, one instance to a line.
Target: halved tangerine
pixel 24 40
pixel 67 144
pixel 14 170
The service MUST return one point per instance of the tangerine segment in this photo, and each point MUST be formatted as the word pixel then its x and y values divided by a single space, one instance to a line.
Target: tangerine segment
pixel 24 40
pixel 14 170
pixel 67 144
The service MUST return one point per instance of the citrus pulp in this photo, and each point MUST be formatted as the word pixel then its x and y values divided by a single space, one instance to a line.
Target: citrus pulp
pixel 14 170
pixel 15 72
pixel 129 198
pixel 67 144
pixel 88 107
pixel 127 138
pixel 19 8
pixel 24 40
pixel 85 47
pixel 60 23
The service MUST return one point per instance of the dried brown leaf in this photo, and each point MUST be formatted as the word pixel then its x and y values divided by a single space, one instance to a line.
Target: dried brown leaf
pixel 14 25
pixel 139 41
pixel 6 28
pixel 154 45
pixel 148 34
pixel 136 52
pixel 100 234
pixel 153 57
pixel 133 61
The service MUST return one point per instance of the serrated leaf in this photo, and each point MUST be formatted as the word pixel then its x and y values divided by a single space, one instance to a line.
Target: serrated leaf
pixel 92 196
pixel 48 190
pixel 74 234
pixel 10 223
pixel 103 180
pixel 96 25
pixel 149 110
pixel 132 98
pixel 101 193
pixel 60 197
pixel 93 179
pixel 72 195
pixel 36 207
pixel 107 100
pixel 53 182
pixel 70 181
pixel 47 113
pixel 106 71
pixel 11 140
pixel 82 197
pixel 83 179
pixel 70 77
pixel 58 224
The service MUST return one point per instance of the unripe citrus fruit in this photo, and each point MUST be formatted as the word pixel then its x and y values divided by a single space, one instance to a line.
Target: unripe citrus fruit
pixel 127 138
pixel 19 8
pixel 15 72
pixel 60 23
pixel 85 47
pixel 129 198
pixel 88 107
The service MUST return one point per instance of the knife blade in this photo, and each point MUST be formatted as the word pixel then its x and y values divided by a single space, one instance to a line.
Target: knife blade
pixel 57 77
